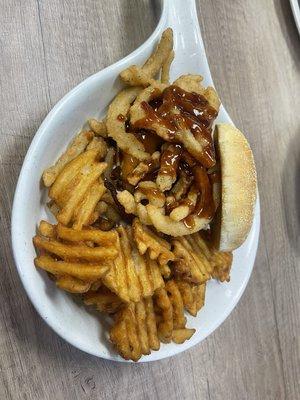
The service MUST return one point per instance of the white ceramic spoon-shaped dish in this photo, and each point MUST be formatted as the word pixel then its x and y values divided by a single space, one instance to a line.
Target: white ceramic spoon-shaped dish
pixel 89 99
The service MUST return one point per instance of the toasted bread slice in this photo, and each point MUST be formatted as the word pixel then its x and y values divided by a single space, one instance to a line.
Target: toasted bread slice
pixel 238 194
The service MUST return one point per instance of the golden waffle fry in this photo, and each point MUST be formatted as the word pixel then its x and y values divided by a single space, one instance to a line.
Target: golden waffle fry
pixel 190 266
pixel 86 181
pixel 220 262
pixel 104 300
pixel 83 271
pixel 76 245
pixel 76 251
pixel 132 276
pixel 84 215
pixel 47 230
pixel 72 285
pixel 179 336
pixel 146 240
pixel 76 147
pixel 173 292
pixel 134 331
pixel 193 296
pixel 74 257
pixel 77 188
pixel 69 172
pixel 169 312
pixel 97 236
pixel 164 315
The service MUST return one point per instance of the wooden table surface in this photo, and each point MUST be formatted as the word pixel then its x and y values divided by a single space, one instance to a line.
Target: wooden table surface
pixel 47 47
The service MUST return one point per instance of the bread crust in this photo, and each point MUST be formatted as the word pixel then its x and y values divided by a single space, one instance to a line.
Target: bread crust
pixel 239 187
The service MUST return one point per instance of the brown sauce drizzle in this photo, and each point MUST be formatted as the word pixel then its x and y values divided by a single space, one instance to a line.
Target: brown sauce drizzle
pixel 121 118
pixel 205 204
pixel 170 159
pixel 215 177
pixel 176 110
pixel 152 192
pixel 149 139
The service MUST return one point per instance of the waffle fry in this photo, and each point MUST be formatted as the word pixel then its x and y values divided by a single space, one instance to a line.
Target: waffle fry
pixel 75 258
pixel 134 332
pixel 78 251
pixel 83 271
pixel 72 285
pixel 193 296
pixel 179 336
pixel 164 315
pixel 147 241
pixel 169 312
pixel 76 147
pixel 77 189
pixel 47 230
pixel 132 277
pixel 220 262
pixel 104 300
pixel 179 319
pixel 84 214
pixel 107 239
pixel 190 266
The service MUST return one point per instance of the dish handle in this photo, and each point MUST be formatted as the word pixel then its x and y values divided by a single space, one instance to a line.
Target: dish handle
pixel 188 44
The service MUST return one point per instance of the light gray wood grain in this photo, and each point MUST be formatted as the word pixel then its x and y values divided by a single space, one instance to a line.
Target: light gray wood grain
pixel 47 47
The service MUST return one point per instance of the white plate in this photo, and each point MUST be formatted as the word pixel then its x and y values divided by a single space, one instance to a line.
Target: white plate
pixel 69 319
pixel 295 5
